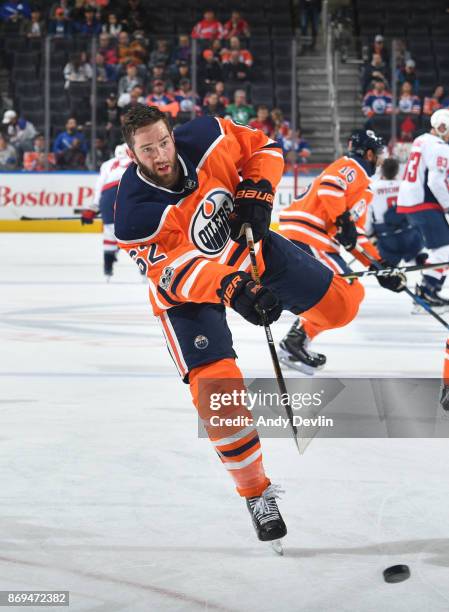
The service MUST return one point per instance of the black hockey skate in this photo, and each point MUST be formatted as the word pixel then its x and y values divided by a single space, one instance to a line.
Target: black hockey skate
pixel 295 354
pixel 435 301
pixel 267 519
pixel 109 258
pixel 444 397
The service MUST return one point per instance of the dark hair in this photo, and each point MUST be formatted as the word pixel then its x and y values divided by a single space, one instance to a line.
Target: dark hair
pixel 390 168
pixel 139 116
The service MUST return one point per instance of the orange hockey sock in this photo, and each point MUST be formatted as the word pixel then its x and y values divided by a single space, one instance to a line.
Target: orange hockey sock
pixel 337 308
pixel 216 390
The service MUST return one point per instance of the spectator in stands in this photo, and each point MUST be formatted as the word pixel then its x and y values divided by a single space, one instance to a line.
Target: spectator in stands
pixel 408 102
pixel 130 100
pixel 38 163
pixel 105 72
pixel 64 140
pixel 60 26
pixel 208 28
pixel 109 113
pixel 73 157
pixel 236 26
pixel 245 56
pixel 294 147
pixel 138 48
pixel 161 98
pixel 435 101
pixel 213 107
pixel 102 153
pixel 159 73
pixel 263 121
pixel 374 71
pixel 8 155
pixel 179 72
pixel 380 49
pixel 34 160
pixel 217 48
pixel 19 131
pixel 235 70
pixel 133 16
pixel 240 110
pixel 209 72
pixel 14 11
pixel 66 7
pixel 281 125
pixel 112 26
pixel 88 26
pixel 309 13
pixel 123 48
pixel 408 74
pixel 107 49
pixel 219 89
pixel 377 101
pixel 181 53
pixel 161 54
pixel 130 80
pixel 77 70
pixel 35 28
pixel 185 92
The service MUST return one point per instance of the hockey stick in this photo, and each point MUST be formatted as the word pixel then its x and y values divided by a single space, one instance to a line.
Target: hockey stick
pixel 414 297
pixel 389 271
pixel 274 358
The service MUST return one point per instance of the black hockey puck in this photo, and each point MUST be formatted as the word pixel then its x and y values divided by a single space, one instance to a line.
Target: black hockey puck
pixel 396 573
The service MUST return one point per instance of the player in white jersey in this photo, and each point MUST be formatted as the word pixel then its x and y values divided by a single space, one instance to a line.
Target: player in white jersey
pixel 396 238
pixel 111 172
pixel 424 197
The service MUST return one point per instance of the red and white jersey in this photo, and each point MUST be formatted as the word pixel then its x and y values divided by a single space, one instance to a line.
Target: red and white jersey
pixel 111 172
pixel 385 195
pixel 426 178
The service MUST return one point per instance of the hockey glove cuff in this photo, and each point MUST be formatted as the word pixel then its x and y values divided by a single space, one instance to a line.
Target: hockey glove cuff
pixel 88 216
pixel 346 231
pixel 240 292
pixel 253 203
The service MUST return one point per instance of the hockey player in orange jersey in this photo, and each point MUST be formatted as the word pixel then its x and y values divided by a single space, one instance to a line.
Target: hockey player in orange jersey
pixel 180 211
pixel 332 213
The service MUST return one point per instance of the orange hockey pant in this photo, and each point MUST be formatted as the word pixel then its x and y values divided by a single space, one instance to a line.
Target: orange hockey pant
pixel 337 307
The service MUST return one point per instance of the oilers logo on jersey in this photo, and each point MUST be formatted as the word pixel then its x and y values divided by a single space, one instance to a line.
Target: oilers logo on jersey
pixel 210 229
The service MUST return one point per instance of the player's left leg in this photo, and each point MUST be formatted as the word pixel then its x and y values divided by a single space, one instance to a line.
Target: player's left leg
pixel 110 247
pixel 200 343
pixel 335 307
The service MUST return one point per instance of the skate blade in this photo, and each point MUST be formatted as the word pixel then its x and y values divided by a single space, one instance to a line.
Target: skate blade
pixel 276 545
pixel 297 365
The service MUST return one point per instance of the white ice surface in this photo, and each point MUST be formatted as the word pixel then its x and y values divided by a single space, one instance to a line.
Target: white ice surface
pixel 106 490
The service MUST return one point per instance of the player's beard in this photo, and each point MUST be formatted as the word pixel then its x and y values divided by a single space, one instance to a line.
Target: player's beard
pixel 167 180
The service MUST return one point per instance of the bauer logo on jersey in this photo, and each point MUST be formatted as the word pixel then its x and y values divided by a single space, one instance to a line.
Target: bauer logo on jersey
pixel 201 342
pixel 358 210
pixel 166 277
pixel 210 227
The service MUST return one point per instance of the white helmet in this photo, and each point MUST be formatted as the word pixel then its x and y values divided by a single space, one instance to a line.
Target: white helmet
pixel 440 121
pixel 121 151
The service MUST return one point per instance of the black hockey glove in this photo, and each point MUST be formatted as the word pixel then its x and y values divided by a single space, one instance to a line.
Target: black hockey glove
pixel 253 203
pixel 347 231
pixel 396 282
pixel 241 293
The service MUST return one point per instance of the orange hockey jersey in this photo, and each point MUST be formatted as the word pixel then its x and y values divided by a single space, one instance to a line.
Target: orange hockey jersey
pixel 181 239
pixel 343 185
